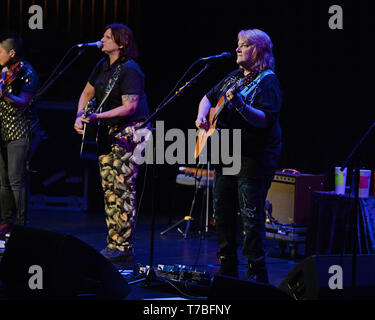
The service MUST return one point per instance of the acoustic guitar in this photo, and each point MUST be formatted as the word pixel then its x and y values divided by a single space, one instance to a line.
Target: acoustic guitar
pixel 89 145
pixel 213 115
pixel 90 132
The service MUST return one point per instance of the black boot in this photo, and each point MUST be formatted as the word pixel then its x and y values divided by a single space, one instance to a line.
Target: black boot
pixel 228 266
pixel 257 271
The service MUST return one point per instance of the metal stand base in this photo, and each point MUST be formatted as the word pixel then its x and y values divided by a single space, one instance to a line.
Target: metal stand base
pixel 189 218
pixel 184 233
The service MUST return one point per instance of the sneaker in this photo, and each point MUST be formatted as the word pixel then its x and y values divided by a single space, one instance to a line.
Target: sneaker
pixel 257 271
pixel 228 266
pixel 115 255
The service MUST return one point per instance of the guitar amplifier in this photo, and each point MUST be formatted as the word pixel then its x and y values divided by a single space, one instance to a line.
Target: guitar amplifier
pixel 290 196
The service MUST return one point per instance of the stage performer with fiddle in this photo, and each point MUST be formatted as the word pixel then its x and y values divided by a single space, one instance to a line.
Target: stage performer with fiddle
pixel 18 84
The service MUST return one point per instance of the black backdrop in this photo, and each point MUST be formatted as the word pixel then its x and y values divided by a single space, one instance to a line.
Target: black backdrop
pixel 325 74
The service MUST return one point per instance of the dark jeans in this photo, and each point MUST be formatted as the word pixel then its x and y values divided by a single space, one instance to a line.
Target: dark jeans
pixel 13 156
pixel 231 192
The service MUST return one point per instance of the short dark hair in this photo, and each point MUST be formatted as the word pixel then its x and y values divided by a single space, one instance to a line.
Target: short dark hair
pixel 11 41
pixel 124 36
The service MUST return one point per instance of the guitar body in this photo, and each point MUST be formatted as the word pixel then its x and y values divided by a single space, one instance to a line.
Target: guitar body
pixel 89 147
pixel 203 134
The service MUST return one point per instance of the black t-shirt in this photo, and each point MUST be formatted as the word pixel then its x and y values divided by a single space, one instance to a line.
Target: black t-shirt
pixel 260 147
pixel 130 81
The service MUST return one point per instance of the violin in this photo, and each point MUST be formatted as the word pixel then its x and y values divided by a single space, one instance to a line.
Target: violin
pixel 8 75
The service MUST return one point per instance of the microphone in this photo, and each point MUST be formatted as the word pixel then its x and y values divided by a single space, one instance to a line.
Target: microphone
pixel 224 55
pixel 98 44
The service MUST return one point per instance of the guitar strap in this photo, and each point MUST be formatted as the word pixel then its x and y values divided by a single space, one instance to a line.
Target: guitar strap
pixel 254 84
pixel 109 87
pixel 250 88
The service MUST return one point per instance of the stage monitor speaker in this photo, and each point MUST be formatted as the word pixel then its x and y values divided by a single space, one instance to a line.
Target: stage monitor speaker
pixel 329 277
pixel 290 196
pixel 39 264
pixel 229 288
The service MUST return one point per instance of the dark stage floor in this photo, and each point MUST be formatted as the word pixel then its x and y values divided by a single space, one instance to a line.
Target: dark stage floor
pixel 169 249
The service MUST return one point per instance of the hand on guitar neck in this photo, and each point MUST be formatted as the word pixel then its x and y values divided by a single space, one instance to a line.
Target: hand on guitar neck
pixel 208 126
pixel 89 131
pixel 92 118
pixel 86 116
pixel 78 126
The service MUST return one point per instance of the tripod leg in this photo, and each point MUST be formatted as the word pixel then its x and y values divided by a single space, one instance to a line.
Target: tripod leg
pixel 171 227
pixel 207 196
pixel 189 217
pixel 187 227
pixel 186 218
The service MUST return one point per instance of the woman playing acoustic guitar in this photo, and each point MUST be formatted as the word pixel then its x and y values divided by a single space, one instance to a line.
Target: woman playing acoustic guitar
pixel 252 103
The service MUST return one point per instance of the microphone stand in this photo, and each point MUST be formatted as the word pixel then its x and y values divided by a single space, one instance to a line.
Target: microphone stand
pixel 178 93
pixel 48 84
pixel 353 158
pixel 150 274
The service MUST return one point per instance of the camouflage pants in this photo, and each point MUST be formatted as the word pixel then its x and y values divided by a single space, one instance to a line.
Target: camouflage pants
pixel 118 171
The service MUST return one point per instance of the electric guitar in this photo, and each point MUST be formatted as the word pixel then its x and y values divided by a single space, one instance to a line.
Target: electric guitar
pixel 204 134
pixel 90 131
